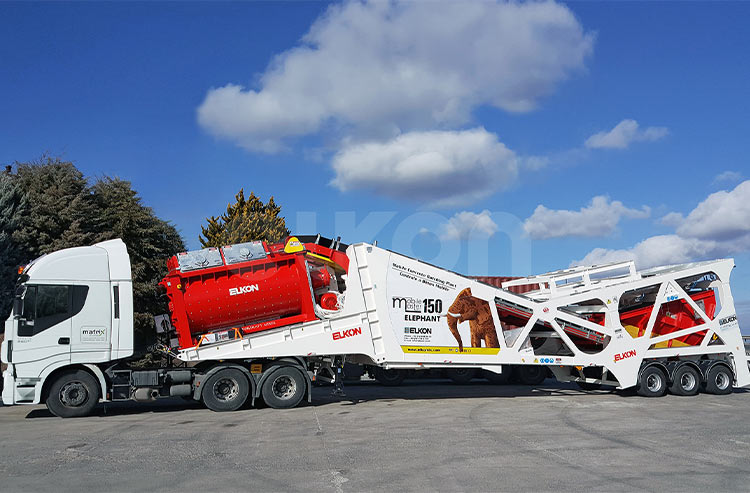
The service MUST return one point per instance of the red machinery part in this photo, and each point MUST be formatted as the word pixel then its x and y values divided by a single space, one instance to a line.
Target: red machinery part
pixel 329 301
pixel 251 296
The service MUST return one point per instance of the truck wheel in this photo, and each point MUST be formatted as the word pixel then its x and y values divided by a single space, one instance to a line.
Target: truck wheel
pixel 284 388
pixel 226 390
pixel 686 381
pixel 531 375
pixel 719 380
pixel 460 376
pixel 497 378
pixel 73 395
pixel 389 378
pixel 652 382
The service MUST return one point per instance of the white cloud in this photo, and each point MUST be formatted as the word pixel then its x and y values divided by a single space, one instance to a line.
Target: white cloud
pixel 599 218
pixel 728 177
pixel 466 224
pixel 439 167
pixel 625 133
pixel 376 69
pixel 719 226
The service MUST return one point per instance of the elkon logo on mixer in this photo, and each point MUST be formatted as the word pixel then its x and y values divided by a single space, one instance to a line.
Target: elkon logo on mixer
pixel 243 289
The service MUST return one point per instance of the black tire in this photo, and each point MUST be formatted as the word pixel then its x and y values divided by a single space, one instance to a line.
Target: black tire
pixel 719 380
pixel 73 394
pixel 389 378
pixel 226 390
pixel 497 378
pixel 588 387
pixel 531 374
pixel 652 382
pixel 686 381
pixel 461 376
pixel 284 387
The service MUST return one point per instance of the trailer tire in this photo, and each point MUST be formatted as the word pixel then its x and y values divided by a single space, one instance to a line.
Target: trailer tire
pixel 461 376
pixel 719 380
pixel 652 382
pixel 497 378
pixel 284 388
pixel 389 378
pixel 226 390
pixel 531 374
pixel 686 381
pixel 73 394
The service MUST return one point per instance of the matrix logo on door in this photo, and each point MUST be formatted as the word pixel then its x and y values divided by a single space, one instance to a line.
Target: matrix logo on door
pixel 93 334
pixel 343 334
pixel 243 289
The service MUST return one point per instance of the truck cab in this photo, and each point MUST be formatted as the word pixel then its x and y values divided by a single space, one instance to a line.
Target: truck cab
pixel 73 309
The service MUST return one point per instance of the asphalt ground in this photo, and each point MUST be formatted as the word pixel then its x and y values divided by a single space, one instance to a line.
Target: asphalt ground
pixel 422 436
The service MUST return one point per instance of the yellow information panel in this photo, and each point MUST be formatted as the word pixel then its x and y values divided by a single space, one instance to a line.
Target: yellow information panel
pixel 450 350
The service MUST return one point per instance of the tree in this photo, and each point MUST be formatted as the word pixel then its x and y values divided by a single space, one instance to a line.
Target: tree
pixel 13 205
pixel 49 205
pixel 60 211
pixel 150 242
pixel 245 220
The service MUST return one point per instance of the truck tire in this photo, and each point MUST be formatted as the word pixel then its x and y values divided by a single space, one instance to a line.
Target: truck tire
pixel 719 380
pixel 226 390
pixel 531 374
pixel 652 382
pixel 73 394
pixel 389 378
pixel 460 376
pixel 497 378
pixel 284 388
pixel 686 381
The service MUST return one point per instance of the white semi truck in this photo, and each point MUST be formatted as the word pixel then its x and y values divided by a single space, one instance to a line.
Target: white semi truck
pixel 247 328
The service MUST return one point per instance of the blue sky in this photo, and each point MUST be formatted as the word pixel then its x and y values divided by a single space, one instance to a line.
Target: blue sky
pixel 427 114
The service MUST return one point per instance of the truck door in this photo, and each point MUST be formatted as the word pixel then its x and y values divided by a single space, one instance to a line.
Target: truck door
pixel 44 329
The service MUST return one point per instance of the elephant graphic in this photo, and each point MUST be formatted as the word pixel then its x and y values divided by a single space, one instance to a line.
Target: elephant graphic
pixel 477 312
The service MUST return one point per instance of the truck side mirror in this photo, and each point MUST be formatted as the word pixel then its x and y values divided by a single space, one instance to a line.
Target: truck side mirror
pixel 17 306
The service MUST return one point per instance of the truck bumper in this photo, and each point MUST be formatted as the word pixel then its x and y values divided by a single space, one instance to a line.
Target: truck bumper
pixel 9 388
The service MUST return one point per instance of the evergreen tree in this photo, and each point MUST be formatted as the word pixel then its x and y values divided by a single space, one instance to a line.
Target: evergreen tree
pixel 13 206
pixel 245 220
pixel 61 210
pixel 150 241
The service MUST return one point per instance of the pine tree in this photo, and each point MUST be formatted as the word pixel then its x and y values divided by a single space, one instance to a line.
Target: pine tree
pixel 13 206
pixel 150 242
pixel 245 220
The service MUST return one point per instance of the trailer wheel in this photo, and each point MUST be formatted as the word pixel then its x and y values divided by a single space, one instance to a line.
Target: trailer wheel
pixel 284 388
pixel 73 394
pixel 652 382
pixel 686 381
pixel 719 380
pixel 389 378
pixel 497 378
pixel 531 374
pixel 461 376
pixel 226 390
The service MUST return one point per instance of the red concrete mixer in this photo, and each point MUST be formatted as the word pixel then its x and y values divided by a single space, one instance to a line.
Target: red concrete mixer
pixel 220 293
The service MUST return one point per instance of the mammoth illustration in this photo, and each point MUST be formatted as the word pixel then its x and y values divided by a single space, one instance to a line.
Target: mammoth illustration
pixel 477 312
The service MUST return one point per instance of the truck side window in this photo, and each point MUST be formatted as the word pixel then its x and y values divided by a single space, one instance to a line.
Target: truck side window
pixel 43 307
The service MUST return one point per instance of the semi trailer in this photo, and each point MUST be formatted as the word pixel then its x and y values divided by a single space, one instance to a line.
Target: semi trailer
pixel 264 321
